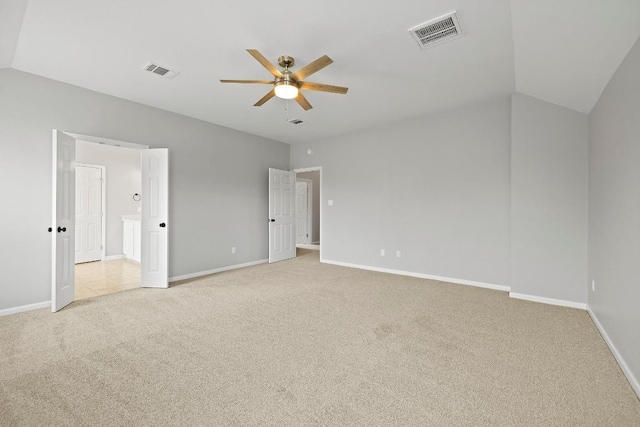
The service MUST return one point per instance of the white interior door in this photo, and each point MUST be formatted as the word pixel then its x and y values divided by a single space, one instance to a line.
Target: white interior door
pixel 303 212
pixel 155 218
pixel 88 237
pixel 63 221
pixel 281 215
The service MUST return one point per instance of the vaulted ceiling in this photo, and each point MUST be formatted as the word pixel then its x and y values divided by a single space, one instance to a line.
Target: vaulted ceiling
pixel 562 51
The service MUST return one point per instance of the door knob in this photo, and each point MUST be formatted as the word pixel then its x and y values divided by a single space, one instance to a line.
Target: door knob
pixel 272 220
pixel 63 229
pixel 163 225
pixel 50 229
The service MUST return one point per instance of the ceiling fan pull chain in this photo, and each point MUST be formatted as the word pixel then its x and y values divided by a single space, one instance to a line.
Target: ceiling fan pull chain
pixel 286 110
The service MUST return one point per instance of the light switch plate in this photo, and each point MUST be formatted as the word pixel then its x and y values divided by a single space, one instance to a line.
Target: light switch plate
pixel 330 202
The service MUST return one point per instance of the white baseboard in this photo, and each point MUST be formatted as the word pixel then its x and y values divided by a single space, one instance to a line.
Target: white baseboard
pixel 114 257
pixel 217 270
pixel 551 301
pixel 635 384
pixel 29 307
pixel 421 275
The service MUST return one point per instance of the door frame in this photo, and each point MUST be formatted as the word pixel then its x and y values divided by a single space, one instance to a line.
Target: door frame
pixel 103 207
pixel 313 169
pixel 98 140
pixel 309 207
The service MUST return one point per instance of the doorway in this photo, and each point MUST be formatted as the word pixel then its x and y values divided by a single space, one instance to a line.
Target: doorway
pixel 304 211
pixel 282 213
pixel 153 236
pixel 308 217
pixel 106 172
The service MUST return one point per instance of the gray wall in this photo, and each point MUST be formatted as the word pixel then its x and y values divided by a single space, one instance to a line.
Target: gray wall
pixel 549 169
pixel 124 179
pixel 314 176
pixel 218 179
pixel 435 188
pixel 614 210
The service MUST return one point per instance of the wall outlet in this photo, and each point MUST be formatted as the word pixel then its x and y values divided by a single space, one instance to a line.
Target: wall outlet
pixel 330 202
pixel 398 254
pixel 593 285
pixel 233 250
pixel 381 252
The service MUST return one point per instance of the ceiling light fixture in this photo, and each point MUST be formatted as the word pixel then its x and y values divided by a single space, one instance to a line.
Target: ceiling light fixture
pixel 286 89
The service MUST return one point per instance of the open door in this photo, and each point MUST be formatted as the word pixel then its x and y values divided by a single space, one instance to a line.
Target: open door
pixel 303 211
pixel 63 221
pixel 155 218
pixel 282 236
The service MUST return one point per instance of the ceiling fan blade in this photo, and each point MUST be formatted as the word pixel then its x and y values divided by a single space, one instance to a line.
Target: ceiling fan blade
pixel 303 101
pixel 265 98
pixel 265 62
pixel 323 88
pixel 311 68
pixel 264 82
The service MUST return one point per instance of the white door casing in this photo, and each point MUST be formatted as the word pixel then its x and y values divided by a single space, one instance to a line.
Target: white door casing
pixel 303 211
pixel 63 221
pixel 155 218
pixel 282 236
pixel 89 213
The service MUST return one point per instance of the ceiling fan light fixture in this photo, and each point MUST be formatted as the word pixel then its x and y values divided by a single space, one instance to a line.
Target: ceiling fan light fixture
pixel 286 89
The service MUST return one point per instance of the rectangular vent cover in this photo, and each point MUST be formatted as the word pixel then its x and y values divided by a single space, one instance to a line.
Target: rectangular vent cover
pixel 161 71
pixel 296 122
pixel 436 31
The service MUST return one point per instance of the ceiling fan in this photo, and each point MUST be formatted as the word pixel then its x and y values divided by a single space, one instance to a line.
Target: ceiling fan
pixel 287 84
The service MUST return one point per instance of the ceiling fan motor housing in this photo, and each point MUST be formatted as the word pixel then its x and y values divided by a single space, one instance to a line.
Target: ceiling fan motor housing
pixel 285 61
pixel 286 87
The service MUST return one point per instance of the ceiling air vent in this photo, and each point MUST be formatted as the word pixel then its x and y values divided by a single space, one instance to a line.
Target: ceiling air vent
pixel 436 31
pixel 296 122
pixel 161 71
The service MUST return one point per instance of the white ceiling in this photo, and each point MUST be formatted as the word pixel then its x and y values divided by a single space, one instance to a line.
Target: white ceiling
pixel 11 16
pixel 102 45
pixel 567 51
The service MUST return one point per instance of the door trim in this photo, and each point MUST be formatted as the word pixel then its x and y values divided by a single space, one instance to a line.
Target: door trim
pixel 106 141
pixel 313 169
pixel 103 242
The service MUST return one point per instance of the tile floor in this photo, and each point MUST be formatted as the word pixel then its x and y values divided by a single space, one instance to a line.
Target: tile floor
pixel 106 277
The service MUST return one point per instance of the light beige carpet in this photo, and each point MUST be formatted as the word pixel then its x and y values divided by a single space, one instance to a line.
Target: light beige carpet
pixel 298 343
